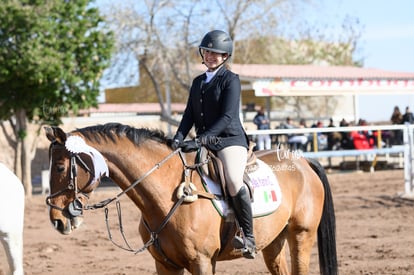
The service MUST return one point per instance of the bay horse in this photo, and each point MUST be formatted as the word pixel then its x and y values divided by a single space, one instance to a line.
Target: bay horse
pixel 12 202
pixel 190 236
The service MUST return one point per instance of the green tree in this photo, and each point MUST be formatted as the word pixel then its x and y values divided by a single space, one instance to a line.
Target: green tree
pixel 52 55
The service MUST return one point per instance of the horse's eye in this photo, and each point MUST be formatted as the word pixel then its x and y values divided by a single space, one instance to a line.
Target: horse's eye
pixel 60 168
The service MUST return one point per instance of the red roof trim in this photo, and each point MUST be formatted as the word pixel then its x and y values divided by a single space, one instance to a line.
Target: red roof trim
pixel 265 71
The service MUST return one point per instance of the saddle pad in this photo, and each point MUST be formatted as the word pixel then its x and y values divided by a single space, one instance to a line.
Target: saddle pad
pixel 267 193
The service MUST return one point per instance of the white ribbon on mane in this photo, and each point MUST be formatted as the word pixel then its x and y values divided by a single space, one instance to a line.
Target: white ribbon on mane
pixel 76 145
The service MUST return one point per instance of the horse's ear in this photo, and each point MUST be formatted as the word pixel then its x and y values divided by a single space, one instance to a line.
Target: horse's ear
pixel 55 134
pixel 49 133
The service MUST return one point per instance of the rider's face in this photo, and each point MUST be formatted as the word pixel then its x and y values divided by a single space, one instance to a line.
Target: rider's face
pixel 212 60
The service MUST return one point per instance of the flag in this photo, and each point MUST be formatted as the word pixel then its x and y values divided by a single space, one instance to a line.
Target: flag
pixel 270 196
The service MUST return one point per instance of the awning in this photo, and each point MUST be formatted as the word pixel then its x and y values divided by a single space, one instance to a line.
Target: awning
pixel 331 87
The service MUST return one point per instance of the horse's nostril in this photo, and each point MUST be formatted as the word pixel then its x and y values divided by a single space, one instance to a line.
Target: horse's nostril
pixel 62 227
pixel 58 225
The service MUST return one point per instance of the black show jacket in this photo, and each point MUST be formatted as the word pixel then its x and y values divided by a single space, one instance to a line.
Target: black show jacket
pixel 213 108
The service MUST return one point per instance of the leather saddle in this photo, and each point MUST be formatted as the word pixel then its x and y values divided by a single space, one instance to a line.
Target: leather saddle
pixel 215 171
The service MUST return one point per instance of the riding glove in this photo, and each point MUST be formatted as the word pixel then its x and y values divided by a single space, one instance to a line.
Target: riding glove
pixel 190 145
pixel 177 141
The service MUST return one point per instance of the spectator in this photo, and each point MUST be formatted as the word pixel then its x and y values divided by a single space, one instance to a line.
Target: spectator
pixel 295 141
pixel 287 124
pixel 334 138
pixel 346 140
pixel 397 118
pixel 362 139
pixel 263 123
pixel 343 123
pixel 321 137
pixel 304 146
pixel 408 117
pixel 284 125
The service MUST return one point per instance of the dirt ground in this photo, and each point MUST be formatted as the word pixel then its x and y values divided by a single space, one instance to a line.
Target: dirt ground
pixel 375 234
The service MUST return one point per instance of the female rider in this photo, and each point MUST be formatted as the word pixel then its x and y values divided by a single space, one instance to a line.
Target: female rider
pixel 213 108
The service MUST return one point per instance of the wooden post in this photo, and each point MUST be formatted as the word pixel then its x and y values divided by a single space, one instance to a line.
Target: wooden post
pixel 379 139
pixel 315 142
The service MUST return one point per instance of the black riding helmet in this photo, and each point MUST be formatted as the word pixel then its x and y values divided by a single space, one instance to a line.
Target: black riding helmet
pixel 216 41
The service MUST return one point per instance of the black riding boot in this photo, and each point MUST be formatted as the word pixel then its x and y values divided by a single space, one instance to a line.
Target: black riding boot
pixel 243 210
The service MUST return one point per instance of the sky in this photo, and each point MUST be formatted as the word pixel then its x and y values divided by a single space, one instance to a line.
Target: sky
pixel 387 43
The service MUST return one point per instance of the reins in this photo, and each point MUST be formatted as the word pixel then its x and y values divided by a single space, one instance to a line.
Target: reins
pixel 154 234
pixel 188 191
pixel 135 183
pixel 187 169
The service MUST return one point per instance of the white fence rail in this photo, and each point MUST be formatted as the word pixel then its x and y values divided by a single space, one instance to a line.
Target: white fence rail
pixel 406 148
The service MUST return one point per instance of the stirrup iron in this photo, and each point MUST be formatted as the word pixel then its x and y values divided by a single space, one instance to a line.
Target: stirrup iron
pixel 241 242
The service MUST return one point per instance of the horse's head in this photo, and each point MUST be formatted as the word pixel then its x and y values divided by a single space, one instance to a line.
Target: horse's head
pixel 75 170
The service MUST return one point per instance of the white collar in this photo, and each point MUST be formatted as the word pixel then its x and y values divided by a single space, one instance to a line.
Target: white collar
pixel 210 75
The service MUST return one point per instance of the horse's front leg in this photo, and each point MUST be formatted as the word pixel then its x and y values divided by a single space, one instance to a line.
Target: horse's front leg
pixel 163 268
pixel 13 245
pixel 202 266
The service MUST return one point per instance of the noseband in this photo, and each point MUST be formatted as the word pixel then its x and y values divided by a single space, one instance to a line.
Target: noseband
pixel 75 208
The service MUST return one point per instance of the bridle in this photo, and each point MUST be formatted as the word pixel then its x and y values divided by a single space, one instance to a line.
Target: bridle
pixel 75 208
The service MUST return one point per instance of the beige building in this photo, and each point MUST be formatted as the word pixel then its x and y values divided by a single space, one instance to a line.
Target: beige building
pixel 262 83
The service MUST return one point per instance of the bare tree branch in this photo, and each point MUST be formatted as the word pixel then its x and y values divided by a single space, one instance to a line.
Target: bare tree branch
pixel 163 36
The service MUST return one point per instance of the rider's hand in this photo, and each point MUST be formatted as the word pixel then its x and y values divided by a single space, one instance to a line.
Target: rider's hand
pixel 177 141
pixel 190 146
